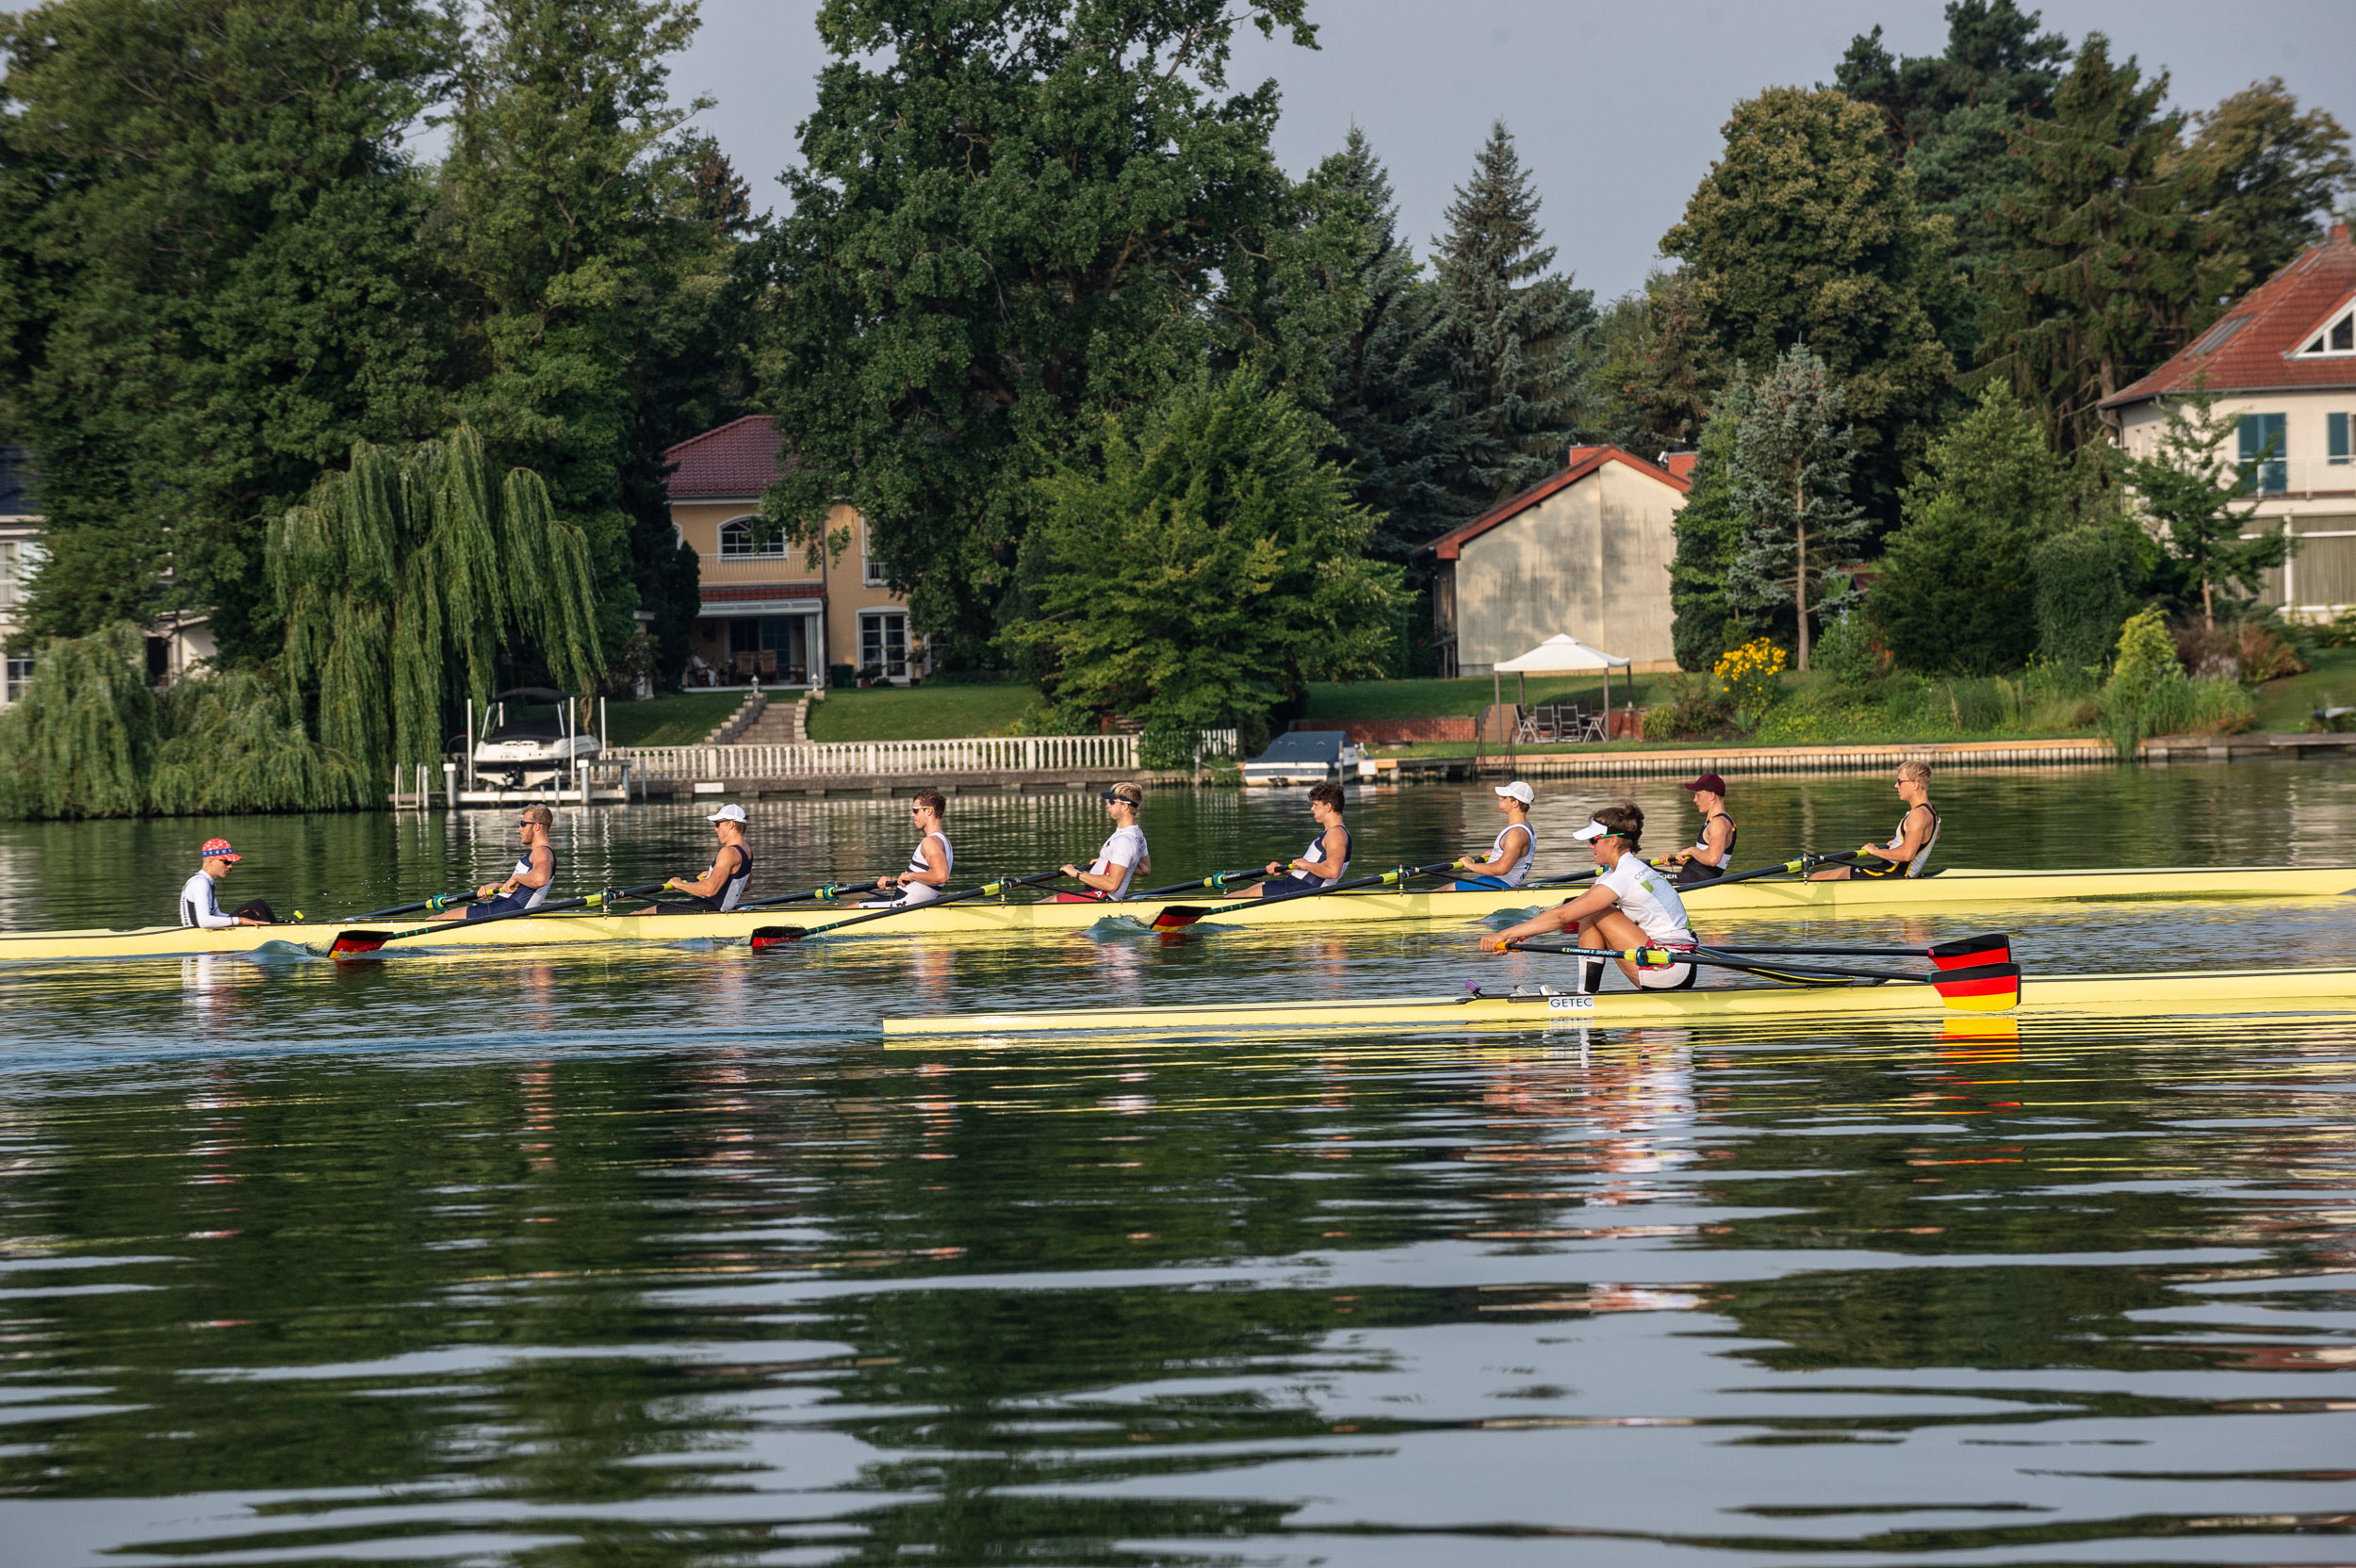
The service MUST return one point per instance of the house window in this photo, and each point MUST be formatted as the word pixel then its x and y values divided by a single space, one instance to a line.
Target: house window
pixel 19 559
pixel 737 538
pixel 2337 336
pixel 871 571
pixel 2265 465
pixel 20 676
pixel 2335 439
pixel 883 643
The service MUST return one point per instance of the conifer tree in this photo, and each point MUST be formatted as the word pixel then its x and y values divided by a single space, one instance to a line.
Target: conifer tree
pixel 2196 500
pixel 1514 332
pixel 1654 368
pixel 1709 537
pixel 2109 268
pixel 1388 397
pixel 1790 484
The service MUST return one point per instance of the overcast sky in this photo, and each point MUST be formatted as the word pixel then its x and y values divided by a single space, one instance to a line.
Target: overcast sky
pixel 1616 107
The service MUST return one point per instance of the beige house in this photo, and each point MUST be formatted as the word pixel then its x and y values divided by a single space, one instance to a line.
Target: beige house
pixel 1586 553
pixel 2282 364
pixel 20 557
pixel 767 614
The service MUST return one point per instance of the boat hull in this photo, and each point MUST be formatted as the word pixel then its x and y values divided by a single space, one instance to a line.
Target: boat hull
pixel 1958 892
pixel 2298 992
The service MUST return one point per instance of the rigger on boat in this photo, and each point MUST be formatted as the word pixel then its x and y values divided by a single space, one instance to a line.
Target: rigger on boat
pixel 1312 890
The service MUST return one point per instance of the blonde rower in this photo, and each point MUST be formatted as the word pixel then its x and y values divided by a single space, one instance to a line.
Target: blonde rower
pixel 1123 856
pixel 1909 848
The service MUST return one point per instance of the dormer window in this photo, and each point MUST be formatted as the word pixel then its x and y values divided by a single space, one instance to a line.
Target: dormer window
pixel 2336 338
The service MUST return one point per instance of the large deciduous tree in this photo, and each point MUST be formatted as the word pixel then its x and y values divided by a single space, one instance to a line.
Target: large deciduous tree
pixel 1008 222
pixel 1803 230
pixel 2266 173
pixel 1790 487
pixel 214 281
pixel 1515 333
pixel 2110 267
pixel 1204 567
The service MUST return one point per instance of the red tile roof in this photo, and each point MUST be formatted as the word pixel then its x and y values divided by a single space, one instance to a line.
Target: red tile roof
pixel 1583 461
pixel 1681 463
pixel 2251 348
pixel 739 458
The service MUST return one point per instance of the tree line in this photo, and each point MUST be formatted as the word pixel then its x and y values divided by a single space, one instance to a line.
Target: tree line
pixel 1121 403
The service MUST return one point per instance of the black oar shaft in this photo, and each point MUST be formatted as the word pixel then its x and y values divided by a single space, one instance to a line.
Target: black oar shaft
pixel 988 889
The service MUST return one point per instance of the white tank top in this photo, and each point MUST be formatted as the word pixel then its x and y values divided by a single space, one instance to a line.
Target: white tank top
pixel 1914 867
pixel 1513 875
pixel 916 857
pixel 1316 851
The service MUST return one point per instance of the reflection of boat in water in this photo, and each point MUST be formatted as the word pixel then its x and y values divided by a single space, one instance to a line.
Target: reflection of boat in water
pixel 1975 894
pixel 2299 992
pixel 529 751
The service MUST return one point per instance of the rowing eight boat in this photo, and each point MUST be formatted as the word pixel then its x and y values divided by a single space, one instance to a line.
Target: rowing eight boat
pixel 2299 992
pixel 1957 891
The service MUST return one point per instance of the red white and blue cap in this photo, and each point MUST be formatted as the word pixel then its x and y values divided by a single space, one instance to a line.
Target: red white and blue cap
pixel 218 849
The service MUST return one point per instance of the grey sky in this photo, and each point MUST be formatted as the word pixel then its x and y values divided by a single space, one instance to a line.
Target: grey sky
pixel 1616 107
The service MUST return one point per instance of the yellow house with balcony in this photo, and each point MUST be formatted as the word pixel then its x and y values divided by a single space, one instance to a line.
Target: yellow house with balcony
pixel 767 615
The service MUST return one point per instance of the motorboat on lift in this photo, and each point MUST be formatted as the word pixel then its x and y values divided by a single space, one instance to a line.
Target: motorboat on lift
pixel 532 753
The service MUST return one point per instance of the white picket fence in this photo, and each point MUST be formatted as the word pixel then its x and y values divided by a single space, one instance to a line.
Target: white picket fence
pixel 914 759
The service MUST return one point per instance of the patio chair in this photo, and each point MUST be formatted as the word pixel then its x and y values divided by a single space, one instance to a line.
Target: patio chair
pixel 1525 732
pixel 1591 727
pixel 741 667
pixel 768 664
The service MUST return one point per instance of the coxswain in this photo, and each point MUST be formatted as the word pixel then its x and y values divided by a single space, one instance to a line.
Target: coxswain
pixel 1125 854
pixel 1326 860
pixel 1517 847
pixel 1713 851
pixel 199 895
pixel 527 886
pixel 724 883
pixel 1908 850
pixel 930 863
pixel 1630 905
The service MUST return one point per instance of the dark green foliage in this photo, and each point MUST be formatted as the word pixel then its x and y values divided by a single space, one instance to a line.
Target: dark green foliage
pixel 1211 567
pixel 1802 232
pixel 2110 269
pixel 1655 368
pixel 400 580
pixel 1388 395
pixel 1790 488
pixel 2266 173
pixel 2082 594
pixel 214 277
pixel 2188 489
pixel 1009 222
pixel 1958 595
pixel 1708 534
pixel 1514 333
pixel 90 740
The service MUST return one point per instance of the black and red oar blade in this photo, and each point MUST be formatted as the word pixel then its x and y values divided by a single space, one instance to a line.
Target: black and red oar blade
pixel 1179 916
pixel 767 936
pixel 1980 989
pixel 1971 951
pixel 351 944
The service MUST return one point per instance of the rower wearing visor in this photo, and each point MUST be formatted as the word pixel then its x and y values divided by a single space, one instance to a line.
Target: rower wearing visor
pixel 1630 905
pixel 1516 850
pixel 527 886
pixel 1125 854
pixel 1909 851
pixel 1713 851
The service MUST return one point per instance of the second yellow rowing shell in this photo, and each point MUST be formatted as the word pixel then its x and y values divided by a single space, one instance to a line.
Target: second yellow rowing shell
pixel 1957 892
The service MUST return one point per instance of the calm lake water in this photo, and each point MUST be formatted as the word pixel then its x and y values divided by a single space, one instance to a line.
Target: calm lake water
pixel 660 1256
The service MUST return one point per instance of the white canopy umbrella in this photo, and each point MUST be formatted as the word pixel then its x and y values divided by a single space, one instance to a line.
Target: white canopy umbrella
pixel 1561 654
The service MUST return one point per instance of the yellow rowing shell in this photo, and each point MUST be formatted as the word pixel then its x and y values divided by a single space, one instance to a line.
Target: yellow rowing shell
pixel 1959 891
pixel 2295 993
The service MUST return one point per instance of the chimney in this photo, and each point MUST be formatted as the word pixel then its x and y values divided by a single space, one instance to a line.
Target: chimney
pixel 2339 234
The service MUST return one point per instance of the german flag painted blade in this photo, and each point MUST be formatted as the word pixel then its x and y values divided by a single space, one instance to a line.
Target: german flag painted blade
pixel 1980 989
pixel 1969 952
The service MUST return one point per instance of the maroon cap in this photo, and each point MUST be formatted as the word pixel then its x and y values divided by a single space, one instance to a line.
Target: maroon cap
pixel 1710 781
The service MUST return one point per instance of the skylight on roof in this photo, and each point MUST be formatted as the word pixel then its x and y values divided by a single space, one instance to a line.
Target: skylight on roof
pixel 2334 339
pixel 2221 334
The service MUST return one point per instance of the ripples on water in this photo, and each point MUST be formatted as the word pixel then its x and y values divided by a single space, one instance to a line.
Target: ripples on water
pixel 663 1257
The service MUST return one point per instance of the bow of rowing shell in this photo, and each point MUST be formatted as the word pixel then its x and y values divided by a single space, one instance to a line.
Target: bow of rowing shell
pixel 1954 889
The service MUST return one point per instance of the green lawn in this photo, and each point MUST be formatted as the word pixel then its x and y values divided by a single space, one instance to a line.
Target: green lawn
pixel 1438 699
pixel 678 719
pixel 2284 705
pixel 920 714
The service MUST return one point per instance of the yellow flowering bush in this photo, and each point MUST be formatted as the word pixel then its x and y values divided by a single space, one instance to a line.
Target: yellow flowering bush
pixel 1753 675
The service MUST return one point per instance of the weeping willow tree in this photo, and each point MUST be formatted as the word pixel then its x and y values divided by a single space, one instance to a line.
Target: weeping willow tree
pixel 88 739
pixel 400 579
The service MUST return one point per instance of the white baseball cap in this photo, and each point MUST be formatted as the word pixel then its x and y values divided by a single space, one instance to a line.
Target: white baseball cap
pixel 1519 790
pixel 730 813
pixel 1592 831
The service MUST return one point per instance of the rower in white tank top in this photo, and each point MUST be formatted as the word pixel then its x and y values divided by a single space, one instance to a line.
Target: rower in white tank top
pixel 929 863
pixel 1515 849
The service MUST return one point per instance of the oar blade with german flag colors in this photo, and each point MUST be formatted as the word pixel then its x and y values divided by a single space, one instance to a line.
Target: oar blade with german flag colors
pixel 1979 988
pixel 1971 951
